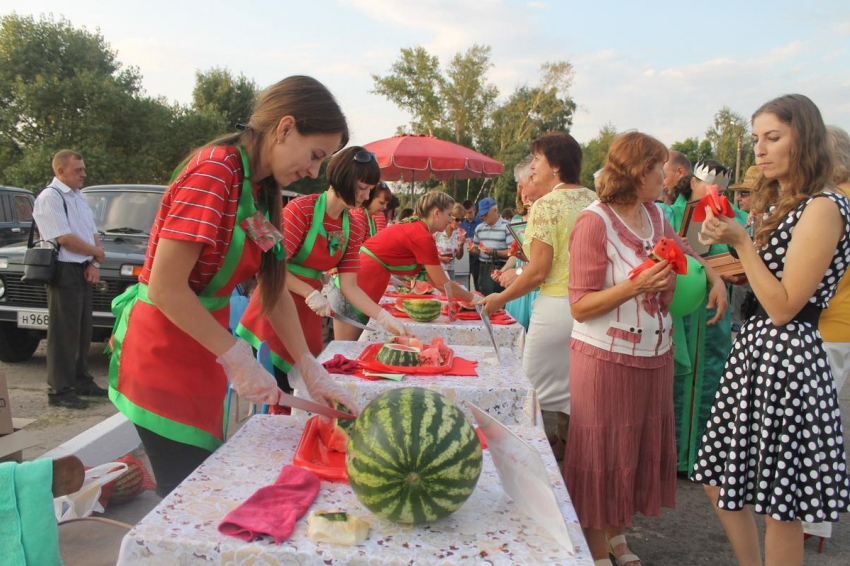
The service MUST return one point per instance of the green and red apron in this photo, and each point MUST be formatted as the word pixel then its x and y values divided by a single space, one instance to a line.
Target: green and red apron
pixel 318 254
pixel 374 275
pixel 161 378
pixel 370 222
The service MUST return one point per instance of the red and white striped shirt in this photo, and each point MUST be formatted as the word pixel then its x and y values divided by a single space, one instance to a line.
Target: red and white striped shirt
pixel 297 218
pixel 379 219
pixel 200 206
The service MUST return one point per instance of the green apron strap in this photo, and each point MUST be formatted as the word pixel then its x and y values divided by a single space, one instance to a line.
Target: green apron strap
pixel 371 221
pixel 409 267
pixel 245 209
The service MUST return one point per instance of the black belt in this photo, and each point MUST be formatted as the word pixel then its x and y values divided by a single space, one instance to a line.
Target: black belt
pixel 809 313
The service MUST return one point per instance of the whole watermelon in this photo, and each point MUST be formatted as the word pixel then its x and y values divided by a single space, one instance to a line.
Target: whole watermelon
pixel 412 456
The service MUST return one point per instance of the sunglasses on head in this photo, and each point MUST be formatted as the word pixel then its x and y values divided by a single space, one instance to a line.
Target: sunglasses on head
pixel 364 156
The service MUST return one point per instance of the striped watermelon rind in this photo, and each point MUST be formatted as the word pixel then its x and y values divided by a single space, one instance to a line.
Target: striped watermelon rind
pixel 398 355
pixel 422 310
pixel 412 456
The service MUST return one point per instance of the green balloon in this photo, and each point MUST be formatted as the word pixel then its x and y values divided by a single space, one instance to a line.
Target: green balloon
pixel 690 289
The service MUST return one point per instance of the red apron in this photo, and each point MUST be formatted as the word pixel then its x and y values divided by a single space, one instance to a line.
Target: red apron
pixel 316 256
pixel 161 378
pixel 374 275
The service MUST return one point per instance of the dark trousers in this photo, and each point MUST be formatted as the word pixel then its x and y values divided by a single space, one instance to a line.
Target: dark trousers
pixel 172 461
pixel 474 264
pixel 486 285
pixel 69 305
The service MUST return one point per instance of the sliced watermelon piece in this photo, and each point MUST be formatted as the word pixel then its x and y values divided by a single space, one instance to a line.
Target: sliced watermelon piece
pixel 334 432
pixel 466 305
pixel 399 305
pixel 445 352
pixel 422 288
pixel 430 357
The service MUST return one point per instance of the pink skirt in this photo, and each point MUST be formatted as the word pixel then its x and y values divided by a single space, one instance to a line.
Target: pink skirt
pixel 621 446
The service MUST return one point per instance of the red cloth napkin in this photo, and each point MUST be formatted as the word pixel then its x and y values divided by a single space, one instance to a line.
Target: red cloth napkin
pixel 341 364
pixel 273 509
pixel 667 249
pixel 718 204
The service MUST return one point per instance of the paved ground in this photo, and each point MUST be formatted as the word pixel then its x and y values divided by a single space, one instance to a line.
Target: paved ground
pixel 689 534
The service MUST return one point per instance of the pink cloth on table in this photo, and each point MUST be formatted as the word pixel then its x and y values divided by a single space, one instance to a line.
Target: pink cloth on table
pixel 273 509
pixel 341 364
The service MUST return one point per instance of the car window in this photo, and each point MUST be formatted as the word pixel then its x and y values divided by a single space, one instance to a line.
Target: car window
pixel 5 210
pixel 23 208
pixel 124 211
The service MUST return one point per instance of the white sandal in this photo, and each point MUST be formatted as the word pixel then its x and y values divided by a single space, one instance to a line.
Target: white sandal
pixel 625 558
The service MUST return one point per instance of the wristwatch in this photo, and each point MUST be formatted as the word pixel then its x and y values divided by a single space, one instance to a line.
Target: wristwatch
pixel 94 263
pixel 518 271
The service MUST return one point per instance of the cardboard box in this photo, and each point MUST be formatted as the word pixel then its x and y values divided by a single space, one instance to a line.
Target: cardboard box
pixel 13 441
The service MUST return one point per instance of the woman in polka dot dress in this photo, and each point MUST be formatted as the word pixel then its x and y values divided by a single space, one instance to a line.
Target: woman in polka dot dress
pixel 774 439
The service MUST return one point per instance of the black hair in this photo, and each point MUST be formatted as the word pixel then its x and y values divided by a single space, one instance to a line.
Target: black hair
pixel 344 172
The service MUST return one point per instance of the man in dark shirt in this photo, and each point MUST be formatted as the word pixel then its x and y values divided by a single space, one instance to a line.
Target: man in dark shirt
pixel 469 224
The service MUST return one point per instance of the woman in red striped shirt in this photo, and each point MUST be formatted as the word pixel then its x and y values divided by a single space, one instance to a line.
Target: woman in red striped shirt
pixel 372 211
pixel 217 226
pixel 321 234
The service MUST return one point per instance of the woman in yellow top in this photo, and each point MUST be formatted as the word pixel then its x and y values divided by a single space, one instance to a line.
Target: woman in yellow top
pixel 555 167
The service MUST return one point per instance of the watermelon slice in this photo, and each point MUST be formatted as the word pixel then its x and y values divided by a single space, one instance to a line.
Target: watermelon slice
pixel 422 288
pixel 399 305
pixel 466 305
pixel 334 432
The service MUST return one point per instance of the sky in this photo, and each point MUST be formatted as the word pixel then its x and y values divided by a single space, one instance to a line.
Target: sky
pixel 664 68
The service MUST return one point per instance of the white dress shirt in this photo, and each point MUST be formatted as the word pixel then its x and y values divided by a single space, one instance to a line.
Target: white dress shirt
pixel 52 221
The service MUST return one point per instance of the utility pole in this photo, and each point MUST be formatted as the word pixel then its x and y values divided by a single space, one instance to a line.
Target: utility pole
pixel 738 162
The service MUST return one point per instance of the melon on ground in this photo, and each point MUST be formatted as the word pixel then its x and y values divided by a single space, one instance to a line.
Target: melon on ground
pixel 412 456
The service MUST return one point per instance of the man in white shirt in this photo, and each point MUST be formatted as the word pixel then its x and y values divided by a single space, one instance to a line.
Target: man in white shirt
pixel 63 215
pixel 492 243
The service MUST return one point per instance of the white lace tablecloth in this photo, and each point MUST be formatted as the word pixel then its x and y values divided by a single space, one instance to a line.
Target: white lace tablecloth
pixel 459 332
pixel 501 390
pixel 488 529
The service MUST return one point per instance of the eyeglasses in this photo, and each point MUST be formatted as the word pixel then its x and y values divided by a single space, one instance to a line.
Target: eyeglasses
pixel 456 219
pixel 364 156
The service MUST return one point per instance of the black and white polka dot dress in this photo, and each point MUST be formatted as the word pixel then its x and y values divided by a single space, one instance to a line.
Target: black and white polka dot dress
pixel 774 439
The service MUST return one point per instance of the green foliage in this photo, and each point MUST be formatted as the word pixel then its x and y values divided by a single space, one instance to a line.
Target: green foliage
pixel 219 91
pixel 729 130
pixel 62 87
pixel 594 153
pixel 694 150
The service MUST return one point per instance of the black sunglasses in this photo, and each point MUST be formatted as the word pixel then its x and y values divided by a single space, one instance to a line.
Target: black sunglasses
pixel 364 156
pixel 458 219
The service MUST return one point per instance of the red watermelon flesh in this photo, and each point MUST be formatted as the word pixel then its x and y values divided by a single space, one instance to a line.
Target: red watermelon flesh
pixel 466 305
pixel 399 306
pixel 430 357
pixel 331 435
pixel 422 288
pixel 438 344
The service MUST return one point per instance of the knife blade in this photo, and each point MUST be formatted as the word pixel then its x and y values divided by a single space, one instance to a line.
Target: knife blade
pixel 298 403
pixel 355 323
pixel 489 326
pixel 449 296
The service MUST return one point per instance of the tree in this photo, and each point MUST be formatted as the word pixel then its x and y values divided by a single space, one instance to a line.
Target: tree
pixel 694 150
pixel 414 84
pixel 731 130
pixel 468 99
pixel 219 91
pixel 63 87
pixel 594 153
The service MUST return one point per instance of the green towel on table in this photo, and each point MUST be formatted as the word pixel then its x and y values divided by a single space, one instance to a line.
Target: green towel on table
pixel 29 535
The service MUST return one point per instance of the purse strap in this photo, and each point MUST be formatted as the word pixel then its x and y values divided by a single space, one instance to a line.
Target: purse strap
pixel 34 225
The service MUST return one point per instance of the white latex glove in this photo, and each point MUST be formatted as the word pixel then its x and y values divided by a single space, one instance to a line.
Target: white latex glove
pixel 391 324
pixel 250 379
pixel 321 386
pixel 319 303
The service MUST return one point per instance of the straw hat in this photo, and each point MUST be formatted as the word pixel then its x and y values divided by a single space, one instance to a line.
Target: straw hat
pixel 750 178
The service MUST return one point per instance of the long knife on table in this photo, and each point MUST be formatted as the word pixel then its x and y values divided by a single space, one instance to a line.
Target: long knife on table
pixel 298 403
pixel 449 310
pixel 356 324
pixel 489 326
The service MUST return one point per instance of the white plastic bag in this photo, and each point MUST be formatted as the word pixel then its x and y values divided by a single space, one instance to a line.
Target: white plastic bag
pixel 84 502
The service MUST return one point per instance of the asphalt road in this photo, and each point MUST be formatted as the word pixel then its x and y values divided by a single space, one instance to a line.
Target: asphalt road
pixel 689 534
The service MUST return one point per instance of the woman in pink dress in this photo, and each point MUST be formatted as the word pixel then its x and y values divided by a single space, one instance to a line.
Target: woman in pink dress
pixel 621 446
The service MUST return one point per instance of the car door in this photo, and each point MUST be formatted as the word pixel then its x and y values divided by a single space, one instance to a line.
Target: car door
pixel 22 205
pixel 7 223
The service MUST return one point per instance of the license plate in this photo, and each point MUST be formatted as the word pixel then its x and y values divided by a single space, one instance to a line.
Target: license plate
pixel 32 319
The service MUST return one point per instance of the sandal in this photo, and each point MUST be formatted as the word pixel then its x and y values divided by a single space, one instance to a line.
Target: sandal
pixel 623 559
pixel 602 562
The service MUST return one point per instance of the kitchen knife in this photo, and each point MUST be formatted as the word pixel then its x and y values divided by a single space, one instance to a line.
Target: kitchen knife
pixel 356 324
pixel 489 326
pixel 298 403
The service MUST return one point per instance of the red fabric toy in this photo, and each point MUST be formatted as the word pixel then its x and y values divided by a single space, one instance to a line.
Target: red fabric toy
pixel 273 509
pixel 667 249
pixel 718 204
